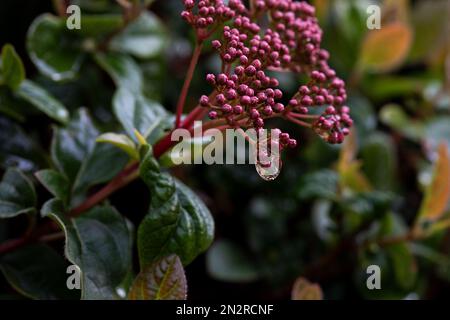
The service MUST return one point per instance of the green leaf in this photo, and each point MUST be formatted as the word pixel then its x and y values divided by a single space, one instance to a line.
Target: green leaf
pixel 321 184
pixel 429 20
pixel 225 261
pixel 122 69
pixel 379 161
pixel 17 149
pixel 12 70
pixel 37 272
pixel 143 38
pixel 364 116
pixel 161 280
pixel 95 25
pixel 177 223
pixel 93 6
pixel 71 146
pixel 10 106
pixel 56 183
pixel 135 112
pixel 400 255
pixel 83 162
pixel 404 265
pixel 121 141
pixel 98 242
pixel 54 52
pixel 17 194
pixel 393 115
pixel 43 100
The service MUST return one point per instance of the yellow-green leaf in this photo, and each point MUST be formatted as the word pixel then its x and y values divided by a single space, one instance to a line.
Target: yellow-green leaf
pixel 12 69
pixel 385 49
pixel 305 290
pixel 121 141
pixel 350 174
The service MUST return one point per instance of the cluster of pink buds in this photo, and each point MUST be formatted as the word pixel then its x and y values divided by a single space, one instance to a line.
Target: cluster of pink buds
pixel 206 14
pixel 244 94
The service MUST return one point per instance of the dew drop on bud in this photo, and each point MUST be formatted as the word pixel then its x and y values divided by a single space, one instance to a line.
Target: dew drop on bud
pixel 268 174
pixel 268 166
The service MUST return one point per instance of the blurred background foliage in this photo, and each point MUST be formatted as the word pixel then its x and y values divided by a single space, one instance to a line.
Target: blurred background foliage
pixel 381 198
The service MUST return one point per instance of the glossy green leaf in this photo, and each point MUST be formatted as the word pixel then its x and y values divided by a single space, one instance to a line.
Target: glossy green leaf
pixel 83 161
pixel 135 112
pixel 98 242
pixel 52 49
pixel 162 280
pixel 12 70
pixel 121 141
pixel 71 146
pixel 37 272
pixel 56 183
pixel 43 100
pixel 143 38
pixel 17 194
pixel 177 223
pixel 225 261
pixel 122 69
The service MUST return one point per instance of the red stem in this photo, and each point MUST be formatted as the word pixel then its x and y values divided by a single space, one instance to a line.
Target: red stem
pixel 125 177
pixel 299 122
pixel 187 83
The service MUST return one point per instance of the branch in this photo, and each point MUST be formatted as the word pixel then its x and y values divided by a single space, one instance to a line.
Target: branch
pixel 121 180
pixel 187 82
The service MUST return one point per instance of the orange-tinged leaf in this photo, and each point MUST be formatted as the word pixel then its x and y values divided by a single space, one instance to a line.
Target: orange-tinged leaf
pixel 437 195
pixel 162 280
pixel 385 49
pixel 305 290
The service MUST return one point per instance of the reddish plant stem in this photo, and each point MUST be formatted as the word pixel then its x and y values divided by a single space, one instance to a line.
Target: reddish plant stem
pixel 13 244
pixel 125 177
pixel 187 83
pixel 299 122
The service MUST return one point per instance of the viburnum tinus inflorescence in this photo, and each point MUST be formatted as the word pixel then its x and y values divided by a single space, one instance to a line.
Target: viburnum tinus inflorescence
pixel 269 35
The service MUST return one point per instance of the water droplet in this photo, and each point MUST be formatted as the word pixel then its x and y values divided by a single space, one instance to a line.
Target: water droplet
pixel 268 173
pixel 268 166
